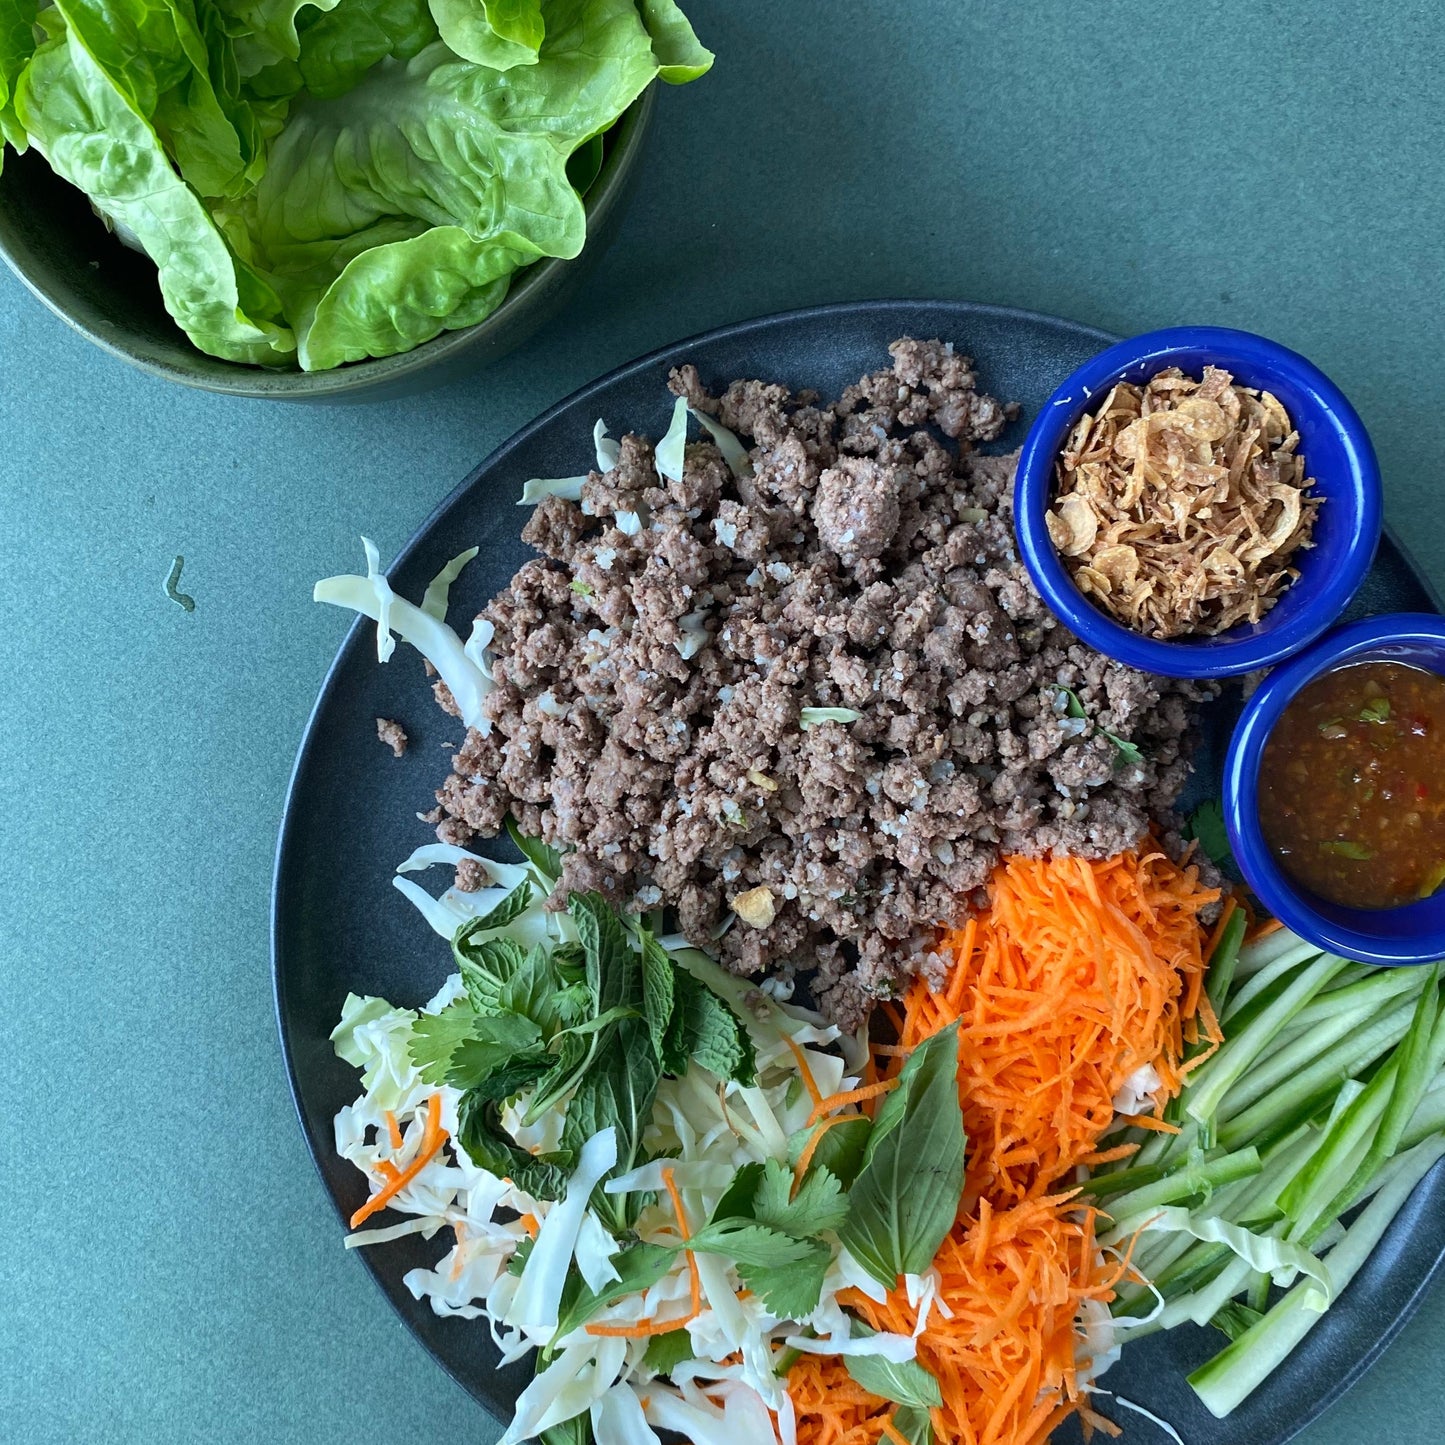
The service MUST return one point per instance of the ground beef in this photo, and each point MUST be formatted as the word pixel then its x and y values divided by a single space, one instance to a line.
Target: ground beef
pixel 392 734
pixel 647 713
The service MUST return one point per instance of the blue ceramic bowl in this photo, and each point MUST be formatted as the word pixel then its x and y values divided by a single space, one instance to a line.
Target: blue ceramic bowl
pixel 1337 453
pixel 1411 933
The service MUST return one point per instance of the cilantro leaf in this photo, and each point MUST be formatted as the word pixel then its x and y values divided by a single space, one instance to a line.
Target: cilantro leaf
pixel 523 1252
pixel 840 1151
pixel 785 1273
pixel 542 856
pixel 1376 710
pixel 657 989
pixel 436 1037
pixel 704 1028
pixel 905 1198
pixel 819 1205
pixel 1206 827
pixel 1128 752
pixel 905 1382
pixel 667 1351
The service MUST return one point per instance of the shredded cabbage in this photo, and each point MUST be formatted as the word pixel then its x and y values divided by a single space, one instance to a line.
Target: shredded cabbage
pixel 372 597
pixel 438 590
pixel 669 453
pixel 735 454
pixel 811 716
pixel 533 491
pixel 607 450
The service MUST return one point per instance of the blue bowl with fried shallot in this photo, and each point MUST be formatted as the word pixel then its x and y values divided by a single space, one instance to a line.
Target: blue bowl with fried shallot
pixel 1337 454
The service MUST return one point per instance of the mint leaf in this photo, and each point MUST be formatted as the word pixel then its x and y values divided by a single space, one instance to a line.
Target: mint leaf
pixel 905 1383
pixel 666 1352
pixel 657 989
pixel 479 1132
pixel 905 1198
pixel 616 1089
pixel 571 1058
pixel 614 968
pixel 542 856
pixel 706 1029
pixel 485 966
pixel 819 1205
pixel 512 907
pixel 840 1151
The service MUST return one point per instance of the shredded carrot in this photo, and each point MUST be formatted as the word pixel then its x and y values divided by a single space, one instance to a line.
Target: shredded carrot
pixel 432 1139
pixel 850 1096
pixel 1148 1121
pixel 530 1223
pixel 686 1234
pixel 1077 975
pixel 808 1081
pixel 393 1130
pixel 1223 922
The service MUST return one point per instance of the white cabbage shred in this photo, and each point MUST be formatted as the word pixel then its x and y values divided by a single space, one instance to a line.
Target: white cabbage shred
pixel 373 597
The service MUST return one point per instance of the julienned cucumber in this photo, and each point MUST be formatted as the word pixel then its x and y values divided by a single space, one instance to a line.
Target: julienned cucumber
pixel 1328 1094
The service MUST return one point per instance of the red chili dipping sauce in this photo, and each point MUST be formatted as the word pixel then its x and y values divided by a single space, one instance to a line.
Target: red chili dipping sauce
pixel 1352 785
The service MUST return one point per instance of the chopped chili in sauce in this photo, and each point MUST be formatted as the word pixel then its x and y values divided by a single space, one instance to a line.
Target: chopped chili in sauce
pixel 1352 785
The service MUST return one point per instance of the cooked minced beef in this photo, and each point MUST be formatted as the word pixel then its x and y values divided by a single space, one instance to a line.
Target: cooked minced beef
pixel 864 564
pixel 392 734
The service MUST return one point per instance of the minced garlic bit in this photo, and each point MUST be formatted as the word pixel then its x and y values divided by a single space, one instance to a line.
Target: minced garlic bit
pixel 755 907
pixel 1179 506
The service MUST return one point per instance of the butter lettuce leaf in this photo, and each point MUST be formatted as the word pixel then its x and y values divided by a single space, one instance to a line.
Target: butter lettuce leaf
pixel 496 33
pixel 92 136
pixel 680 55
pixel 17 44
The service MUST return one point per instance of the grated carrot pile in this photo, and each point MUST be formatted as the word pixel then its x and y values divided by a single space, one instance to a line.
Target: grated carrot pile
pixel 1077 974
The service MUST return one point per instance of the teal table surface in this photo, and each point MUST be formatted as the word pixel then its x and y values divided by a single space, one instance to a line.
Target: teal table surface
pixel 170 1268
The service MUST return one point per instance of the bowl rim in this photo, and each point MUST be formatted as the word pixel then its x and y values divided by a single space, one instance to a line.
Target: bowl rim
pixel 1211 657
pixel 232 378
pixel 1294 906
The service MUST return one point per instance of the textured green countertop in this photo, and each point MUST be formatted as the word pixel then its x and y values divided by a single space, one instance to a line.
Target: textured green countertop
pixel 171 1270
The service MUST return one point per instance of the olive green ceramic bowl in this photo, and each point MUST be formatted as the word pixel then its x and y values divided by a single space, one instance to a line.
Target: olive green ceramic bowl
pixel 58 247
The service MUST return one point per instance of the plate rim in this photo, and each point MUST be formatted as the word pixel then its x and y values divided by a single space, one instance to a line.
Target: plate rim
pixel 311 733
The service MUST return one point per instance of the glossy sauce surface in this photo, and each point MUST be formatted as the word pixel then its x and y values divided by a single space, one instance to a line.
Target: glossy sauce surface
pixel 1352 785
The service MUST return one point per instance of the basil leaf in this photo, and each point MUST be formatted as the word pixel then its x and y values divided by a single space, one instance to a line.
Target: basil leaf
pixel 914 1425
pixel 638 1267
pixel 576 1431
pixel 840 1151
pixel 905 1383
pixel 906 1197
pixel 737 1200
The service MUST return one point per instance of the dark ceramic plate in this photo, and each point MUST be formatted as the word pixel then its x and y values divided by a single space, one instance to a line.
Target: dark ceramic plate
pixel 338 925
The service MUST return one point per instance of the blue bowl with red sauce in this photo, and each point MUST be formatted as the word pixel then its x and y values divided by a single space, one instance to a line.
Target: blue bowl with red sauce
pixel 1408 933
pixel 1337 454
